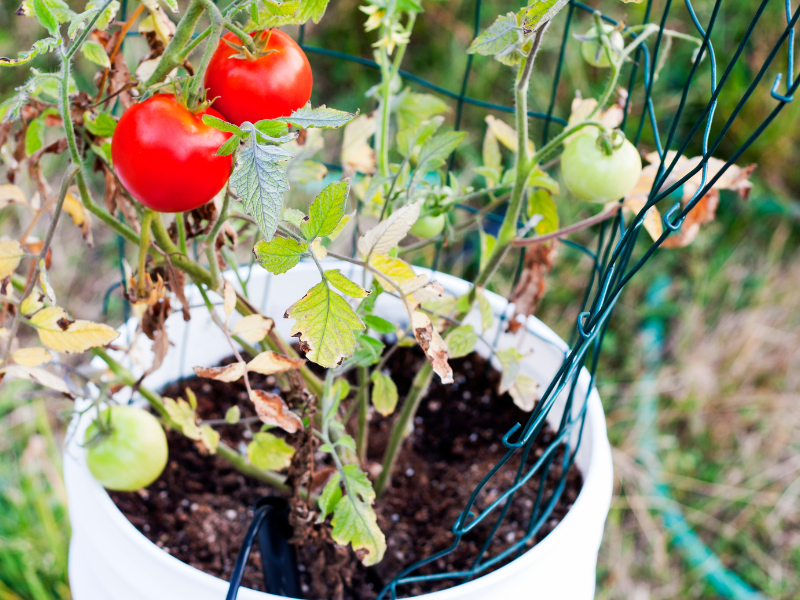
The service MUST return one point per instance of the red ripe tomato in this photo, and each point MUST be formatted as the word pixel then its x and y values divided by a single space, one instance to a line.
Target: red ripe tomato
pixel 165 156
pixel 271 86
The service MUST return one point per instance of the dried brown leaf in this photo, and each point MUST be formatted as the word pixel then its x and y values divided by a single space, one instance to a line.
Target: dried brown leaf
pixel 272 410
pixel 532 284
pixel 228 373
pixel 433 345
pixel 269 363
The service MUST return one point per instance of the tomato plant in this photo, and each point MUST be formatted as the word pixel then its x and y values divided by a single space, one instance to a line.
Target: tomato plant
pixel 131 454
pixel 165 155
pixel 271 83
pixel 428 226
pixel 594 175
pixel 592 48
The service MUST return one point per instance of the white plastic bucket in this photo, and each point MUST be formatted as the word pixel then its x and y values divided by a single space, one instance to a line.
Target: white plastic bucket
pixel 110 560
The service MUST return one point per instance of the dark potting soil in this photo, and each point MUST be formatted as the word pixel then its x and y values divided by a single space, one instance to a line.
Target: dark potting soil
pixel 200 507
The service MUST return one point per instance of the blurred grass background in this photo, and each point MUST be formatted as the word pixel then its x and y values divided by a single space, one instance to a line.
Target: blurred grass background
pixel 729 383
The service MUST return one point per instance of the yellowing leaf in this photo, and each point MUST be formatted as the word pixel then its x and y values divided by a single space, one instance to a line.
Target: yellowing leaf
pixel 318 249
pixel 506 134
pixel 40 376
pixel 269 452
pixel 228 373
pixel 388 233
pixel 354 521
pixel 31 357
pixel 272 410
pixel 229 299
pixel 344 285
pixel 525 392
pixel 384 393
pixel 58 333
pixel 11 194
pixel 209 438
pixel 269 363
pixel 44 282
pixel 182 413
pixel 10 256
pixel 395 269
pixel 31 304
pixel 280 253
pixel 253 328
pixel 74 208
pixel 357 155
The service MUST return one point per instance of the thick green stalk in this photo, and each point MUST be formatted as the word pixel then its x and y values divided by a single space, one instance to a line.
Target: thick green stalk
pixel 69 132
pixel 402 423
pixel 173 53
pixel 196 85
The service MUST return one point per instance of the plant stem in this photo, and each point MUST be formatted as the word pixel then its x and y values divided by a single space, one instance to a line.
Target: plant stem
pixel 48 239
pixel 180 226
pixel 70 52
pixel 211 241
pixel 69 131
pixel 144 247
pixel 156 402
pixel 363 414
pixel 173 53
pixel 580 225
pixel 196 84
pixel 401 425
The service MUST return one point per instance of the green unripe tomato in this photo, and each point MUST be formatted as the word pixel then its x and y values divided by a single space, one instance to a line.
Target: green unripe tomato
pixel 593 51
pixel 132 455
pixel 428 226
pixel 594 176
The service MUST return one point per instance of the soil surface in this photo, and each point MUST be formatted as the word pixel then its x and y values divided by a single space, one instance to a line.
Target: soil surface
pixel 200 508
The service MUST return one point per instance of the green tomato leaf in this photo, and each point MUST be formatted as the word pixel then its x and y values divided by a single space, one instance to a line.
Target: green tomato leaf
pixel 487 245
pixel 412 108
pixel 279 254
pixel 539 179
pixel 321 117
pixel 540 202
pixel 260 181
pixel 45 45
pixel 368 352
pixel 502 38
pixel 344 285
pixel 461 341
pixel 59 9
pixel 379 325
pixel 233 414
pixel 491 151
pixel 330 497
pixel 270 128
pixel 325 324
pixel 46 17
pixel 411 137
pixel 269 452
pixel 230 146
pixel 290 12
pixel 347 442
pixel 102 125
pixel 293 216
pixel 95 52
pixel 434 152
pixel 384 393
pixel 326 210
pixel 221 125
pixel 539 13
pixel 34 136
pixel 487 317
pixel 341 388
pixel 354 521
pixel 78 22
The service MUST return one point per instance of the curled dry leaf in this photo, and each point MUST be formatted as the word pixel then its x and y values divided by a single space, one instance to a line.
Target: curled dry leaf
pixel 735 178
pixel 154 292
pixel 229 299
pixel 269 363
pixel 532 284
pixel 272 410
pixel 433 345
pixel 228 373
pixel 253 328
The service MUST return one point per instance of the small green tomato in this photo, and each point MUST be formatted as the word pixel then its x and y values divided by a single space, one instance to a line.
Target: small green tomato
pixel 428 226
pixel 594 176
pixel 593 51
pixel 132 455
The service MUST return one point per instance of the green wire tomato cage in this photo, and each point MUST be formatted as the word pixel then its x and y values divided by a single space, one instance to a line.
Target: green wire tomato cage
pixel 613 255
